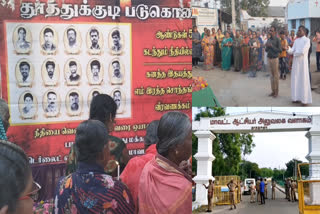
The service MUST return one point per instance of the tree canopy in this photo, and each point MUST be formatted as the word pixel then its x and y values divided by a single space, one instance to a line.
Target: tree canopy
pixel 255 8
pixel 227 148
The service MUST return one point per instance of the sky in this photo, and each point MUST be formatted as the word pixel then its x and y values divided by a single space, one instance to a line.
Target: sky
pixel 278 2
pixel 275 149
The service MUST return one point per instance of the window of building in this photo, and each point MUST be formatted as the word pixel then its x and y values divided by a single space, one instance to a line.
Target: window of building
pixel 302 22
pixel 293 23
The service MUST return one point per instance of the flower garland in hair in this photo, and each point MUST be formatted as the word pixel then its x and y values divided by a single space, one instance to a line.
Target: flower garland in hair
pixel 3 135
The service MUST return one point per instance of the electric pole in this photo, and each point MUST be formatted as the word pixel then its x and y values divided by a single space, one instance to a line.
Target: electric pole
pixel 233 8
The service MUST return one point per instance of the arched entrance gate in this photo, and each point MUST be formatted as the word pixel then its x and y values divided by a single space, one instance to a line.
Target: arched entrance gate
pixel 250 123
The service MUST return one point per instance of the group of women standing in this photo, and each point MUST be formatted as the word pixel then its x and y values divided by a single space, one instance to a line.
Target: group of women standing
pixel 244 50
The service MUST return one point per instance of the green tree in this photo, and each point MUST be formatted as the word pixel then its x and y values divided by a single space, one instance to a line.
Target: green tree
pixel 278 174
pixel 292 167
pixel 226 7
pixel 227 148
pixel 249 170
pixel 277 24
pixel 266 172
pixel 255 8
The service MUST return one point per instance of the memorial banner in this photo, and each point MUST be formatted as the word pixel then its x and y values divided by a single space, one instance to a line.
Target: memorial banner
pixel 57 55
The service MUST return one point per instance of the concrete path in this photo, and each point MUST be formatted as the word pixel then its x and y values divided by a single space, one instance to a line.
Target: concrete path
pixel 237 89
pixel 278 206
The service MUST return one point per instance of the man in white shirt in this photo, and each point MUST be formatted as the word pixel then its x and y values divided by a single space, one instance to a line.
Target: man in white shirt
pixel 300 80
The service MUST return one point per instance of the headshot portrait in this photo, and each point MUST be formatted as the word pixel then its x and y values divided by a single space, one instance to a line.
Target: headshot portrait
pixel 94 41
pixel 24 73
pixel 74 103
pixel 72 40
pixel 51 104
pixel 95 72
pixel 48 40
pixel 116 72
pixel 22 38
pixel 94 92
pixel 116 42
pixel 119 98
pixel 50 72
pixel 27 105
pixel 72 70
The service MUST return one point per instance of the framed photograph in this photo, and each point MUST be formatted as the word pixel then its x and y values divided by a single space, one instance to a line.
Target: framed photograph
pixel 24 73
pixel 48 40
pixel 94 92
pixel 116 42
pixel 94 41
pixel 72 72
pixel 72 40
pixel 120 98
pixel 116 72
pixel 28 106
pixel 51 104
pixel 95 72
pixel 50 72
pixel 74 103
pixel 22 40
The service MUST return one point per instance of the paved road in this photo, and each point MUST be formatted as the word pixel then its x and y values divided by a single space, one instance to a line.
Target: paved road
pixel 236 89
pixel 278 206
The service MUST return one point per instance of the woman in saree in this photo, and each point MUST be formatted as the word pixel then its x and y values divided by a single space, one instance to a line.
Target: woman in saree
pixel 164 186
pixel 292 38
pixel 245 53
pixel 213 34
pixel 208 43
pixel 196 46
pixel 237 52
pixel 254 45
pixel 226 52
pixel 219 38
pixel 90 189
pixel 104 108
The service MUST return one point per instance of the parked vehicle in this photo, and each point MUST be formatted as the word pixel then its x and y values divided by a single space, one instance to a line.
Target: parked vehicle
pixel 247 183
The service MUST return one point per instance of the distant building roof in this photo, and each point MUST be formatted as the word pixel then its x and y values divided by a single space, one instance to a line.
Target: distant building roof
pixel 276 11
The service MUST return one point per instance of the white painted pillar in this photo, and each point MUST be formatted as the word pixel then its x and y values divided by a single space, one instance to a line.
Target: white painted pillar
pixel 314 157
pixel 204 159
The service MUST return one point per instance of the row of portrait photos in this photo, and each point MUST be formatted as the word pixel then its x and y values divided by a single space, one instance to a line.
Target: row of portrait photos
pixel 28 104
pixel 72 39
pixel 50 72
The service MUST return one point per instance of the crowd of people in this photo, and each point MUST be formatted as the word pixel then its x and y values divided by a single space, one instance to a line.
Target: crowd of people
pixel 157 182
pixel 258 191
pixel 271 50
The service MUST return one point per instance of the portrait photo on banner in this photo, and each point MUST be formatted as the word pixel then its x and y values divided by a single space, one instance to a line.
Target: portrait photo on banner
pixel 62 66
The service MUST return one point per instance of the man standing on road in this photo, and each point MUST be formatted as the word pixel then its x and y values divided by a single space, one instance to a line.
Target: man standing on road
pixel 293 191
pixel 289 189
pixel 262 186
pixel 300 79
pixel 266 188
pixel 317 40
pixel 232 188
pixel 210 189
pixel 252 189
pixel 273 47
pixel 258 191
pixel 286 185
pixel 273 197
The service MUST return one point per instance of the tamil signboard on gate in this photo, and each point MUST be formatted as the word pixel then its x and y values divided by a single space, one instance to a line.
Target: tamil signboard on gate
pixel 255 122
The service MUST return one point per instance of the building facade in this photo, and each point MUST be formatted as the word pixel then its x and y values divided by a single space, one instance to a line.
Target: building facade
pixel 257 23
pixel 303 12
